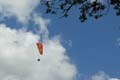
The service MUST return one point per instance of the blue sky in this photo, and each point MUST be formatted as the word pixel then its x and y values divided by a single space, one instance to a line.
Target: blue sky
pixel 94 43
pixel 92 46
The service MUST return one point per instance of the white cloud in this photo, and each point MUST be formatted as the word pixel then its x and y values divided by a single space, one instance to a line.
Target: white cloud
pixel 102 76
pixel 21 9
pixel 42 25
pixel 114 79
pixel 18 51
pixel 18 57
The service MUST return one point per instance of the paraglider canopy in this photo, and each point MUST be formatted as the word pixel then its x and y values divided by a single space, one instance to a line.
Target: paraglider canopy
pixel 40 47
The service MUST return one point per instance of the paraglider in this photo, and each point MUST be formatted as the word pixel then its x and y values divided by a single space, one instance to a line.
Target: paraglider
pixel 40 48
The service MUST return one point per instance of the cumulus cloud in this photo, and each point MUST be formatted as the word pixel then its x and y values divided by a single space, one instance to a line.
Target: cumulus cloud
pixel 18 57
pixel 21 9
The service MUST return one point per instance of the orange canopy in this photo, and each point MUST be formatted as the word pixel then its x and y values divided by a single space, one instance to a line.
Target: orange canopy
pixel 40 47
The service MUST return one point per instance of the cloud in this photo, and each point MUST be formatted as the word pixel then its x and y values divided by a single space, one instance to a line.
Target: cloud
pixel 18 51
pixel 19 54
pixel 42 25
pixel 114 79
pixel 118 42
pixel 21 9
pixel 101 75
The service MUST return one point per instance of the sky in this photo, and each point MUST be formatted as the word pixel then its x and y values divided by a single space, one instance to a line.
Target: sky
pixel 72 50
